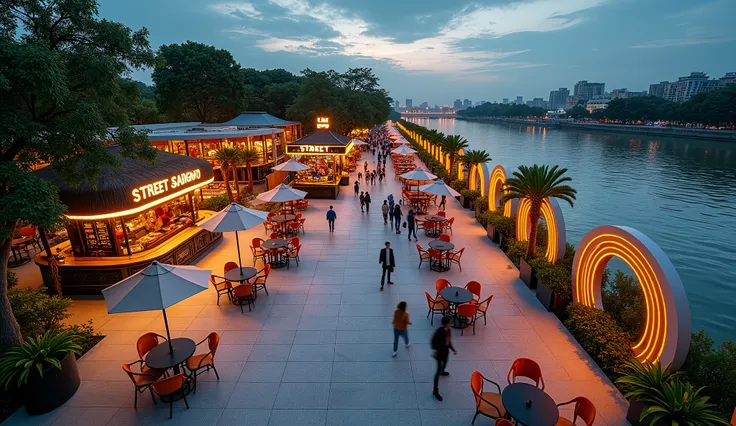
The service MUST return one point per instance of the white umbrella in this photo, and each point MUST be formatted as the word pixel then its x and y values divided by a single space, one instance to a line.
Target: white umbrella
pixel 282 193
pixel 290 166
pixel 439 187
pixel 357 142
pixel 234 218
pixel 156 287
pixel 403 150
pixel 420 173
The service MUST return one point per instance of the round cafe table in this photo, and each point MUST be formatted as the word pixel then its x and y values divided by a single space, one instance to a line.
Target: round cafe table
pixel 530 405
pixel 162 358
pixel 440 246
pixel 456 296
pixel 436 228
pixel 240 275
pixel 283 219
pixel 275 259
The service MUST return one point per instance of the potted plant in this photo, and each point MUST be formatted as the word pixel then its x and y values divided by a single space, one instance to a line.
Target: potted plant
pixel 527 273
pixel 43 370
pixel 553 285
pixel 505 228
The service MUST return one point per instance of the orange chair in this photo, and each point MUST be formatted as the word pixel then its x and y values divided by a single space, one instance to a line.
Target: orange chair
pixel 274 235
pixel 294 227
pixel 147 342
pixel 32 235
pixel 448 224
pixel 525 367
pixel 435 256
pixel 142 380
pixel 168 387
pixel 436 306
pixel 260 282
pixel 584 409
pixel 242 294
pixel 474 287
pixel 222 287
pixel 418 224
pixel 205 361
pixel 229 266
pixel 487 403
pixel 296 241
pixel 423 255
pixel 268 226
pixel 441 284
pixel 442 214
pixel 292 254
pixel 483 309
pixel 467 313
pixel 257 249
pixel 503 422
pixel 455 256
pixel 445 238
pixel 270 215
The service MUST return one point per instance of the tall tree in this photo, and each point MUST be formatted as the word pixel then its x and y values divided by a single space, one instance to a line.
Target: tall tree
pixel 198 82
pixel 474 158
pixel 226 157
pixel 452 145
pixel 249 156
pixel 60 70
pixel 537 183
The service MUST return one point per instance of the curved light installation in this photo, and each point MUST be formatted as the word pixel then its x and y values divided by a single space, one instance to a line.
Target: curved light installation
pixel 447 164
pixel 460 165
pixel 478 177
pixel 666 335
pixel 495 190
pixel 556 232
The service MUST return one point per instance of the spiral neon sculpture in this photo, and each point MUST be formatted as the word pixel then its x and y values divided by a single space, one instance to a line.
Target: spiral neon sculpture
pixel 556 232
pixel 666 335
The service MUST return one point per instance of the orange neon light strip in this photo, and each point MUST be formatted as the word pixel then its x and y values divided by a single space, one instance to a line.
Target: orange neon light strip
pixel 523 226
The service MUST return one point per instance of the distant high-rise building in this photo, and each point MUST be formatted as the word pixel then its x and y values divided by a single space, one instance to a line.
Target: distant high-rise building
pixel 467 103
pixel 408 103
pixel 587 91
pixel 458 105
pixel 505 101
pixel 686 87
pixel 396 105
pixel 537 103
pixel 558 98
pixel 729 78
pixel 657 89
pixel 571 102
pixel 424 105
pixel 519 100
pixel 626 93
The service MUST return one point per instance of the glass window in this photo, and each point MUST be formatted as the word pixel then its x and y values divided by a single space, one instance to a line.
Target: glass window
pixel 148 229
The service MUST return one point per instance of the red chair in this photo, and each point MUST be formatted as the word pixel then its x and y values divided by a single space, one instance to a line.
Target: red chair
pixel 441 214
pixel 435 256
pixel 487 403
pixel 244 294
pixel 294 227
pixel 441 284
pixel 147 342
pixel 448 224
pixel 301 224
pixel 467 313
pixel 268 226
pixel 436 306
pixel 419 224
pixel 584 409
pixel 296 241
pixel 525 367
pixel 274 235
pixel 206 361
pixel 170 386
pixel 257 249
pixel 222 287
pixel 229 266
pixel 474 287
pixel 445 238
pixel 503 422
pixel 293 254
pixel 142 380
pixel 260 281
pixel 423 255
pixel 483 309
pixel 455 256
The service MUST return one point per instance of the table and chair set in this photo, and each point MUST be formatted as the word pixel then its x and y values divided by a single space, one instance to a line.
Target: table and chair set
pixel 441 254
pixel 463 305
pixel 250 281
pixel 284 224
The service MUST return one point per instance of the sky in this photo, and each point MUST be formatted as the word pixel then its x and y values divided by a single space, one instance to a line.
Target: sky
pixel 440 50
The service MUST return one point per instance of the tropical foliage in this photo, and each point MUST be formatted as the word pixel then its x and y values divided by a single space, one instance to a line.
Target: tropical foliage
pixel 452 145
pixel 623 298
pixel 36 355
pixel 715 367
pixel 227 158
pixel 248 157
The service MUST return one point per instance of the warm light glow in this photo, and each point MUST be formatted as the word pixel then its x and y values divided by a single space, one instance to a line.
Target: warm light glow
pixel 478 174
pixel 556 234
pixel 323 122
pixel 460 165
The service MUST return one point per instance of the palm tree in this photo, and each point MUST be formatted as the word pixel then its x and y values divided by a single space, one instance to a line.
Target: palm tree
pixel 227 157
pixel 452 145
pixel 474 157
pixel 249 156
pixel 537 183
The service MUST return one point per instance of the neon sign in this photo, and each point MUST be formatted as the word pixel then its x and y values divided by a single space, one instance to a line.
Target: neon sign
pixel 323 122
pixel 163 186
pixel 314 149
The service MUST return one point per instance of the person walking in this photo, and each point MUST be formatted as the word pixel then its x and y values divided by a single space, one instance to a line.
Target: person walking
pixel 360 175
pixel 356 187
pixel 401 326
pixel 362 201
pixel 384 210
pixel 410 224
pixel 386 259
pixel 367 201
pixel 442 344
pixel 443 203
pixel 397 218
pixel 365 166
pixel 331 216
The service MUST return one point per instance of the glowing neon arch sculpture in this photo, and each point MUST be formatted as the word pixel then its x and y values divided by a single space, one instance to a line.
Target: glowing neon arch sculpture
pixel 460 165
pixel 478 178
pixel 556 231
pixel 495 190
pixel 666 335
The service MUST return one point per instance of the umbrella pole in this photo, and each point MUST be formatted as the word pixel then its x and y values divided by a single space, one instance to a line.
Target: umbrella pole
pixel 237 242
pixel 168 335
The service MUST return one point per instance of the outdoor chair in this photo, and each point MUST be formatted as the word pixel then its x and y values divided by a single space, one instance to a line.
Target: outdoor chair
pixel 487 403
pixel 293 254
pixel 419 224
pixel 436 306
pixel 274 235
pixel 294 227
pixel 244 294
pixel 467 312
pixel 584 409
pixel 202 363
pixel 441 214
pixel 147 342
pixel 448 224
pixel 475 288
pixel 222 287
pixel 293 242
pixel 257 249
pixel 168 387
pixel 229 266
pixel 142 380
pixel 503 422
pixel 445 238
pixel 525 367
pixel 483 309
pixel 32 234
pixel 260 282
pixel 435 255
pixel 423 255
pixel 441 284
pixel 301 224
pixel 268 226
pixel 455 257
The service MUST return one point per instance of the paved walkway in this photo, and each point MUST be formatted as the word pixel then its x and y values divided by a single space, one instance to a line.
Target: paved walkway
pixel 317 350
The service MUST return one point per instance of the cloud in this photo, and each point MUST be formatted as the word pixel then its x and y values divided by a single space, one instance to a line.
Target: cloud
pixel 237 10
pixel 679 42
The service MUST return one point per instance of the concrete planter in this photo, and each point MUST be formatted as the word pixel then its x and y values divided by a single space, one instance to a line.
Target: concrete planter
pixel 550 300
pixel 44 394
pixel 634 412
pixel 464 202
pixel 527 274
pixel 477 209
pixel 492 233
pixel 502 243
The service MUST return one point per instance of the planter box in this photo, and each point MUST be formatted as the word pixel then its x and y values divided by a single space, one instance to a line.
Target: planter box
pixel 44 394
pixel 502 244
pixel 465 203
pixel 550 300
pixel 634 411
pixel 477 208
pixel 527 274
pixel 492 233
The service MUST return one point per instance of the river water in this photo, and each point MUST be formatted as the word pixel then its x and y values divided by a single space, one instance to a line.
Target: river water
pixel 679 192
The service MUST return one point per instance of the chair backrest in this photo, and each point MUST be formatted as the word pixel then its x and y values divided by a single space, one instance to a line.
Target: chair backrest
pixel 467 310
pixel 473 287
pixel 216 285
pixel 430 300
pixel 442 214
pixel 229 266
pixel 441 284
pixel 256 242
pixel 503 422
pixel 419 249
pixel 486 302
pixel 243 290
pixel 27 231
pixel 168 385
pixel 294 225
pixel 476 383
pixel 266 271
pixel 434 253
pixel 584 409
pixel 296 241
pixel 213 339
pixel 295 251
pixel 274 235
pixel 271 214
pixel 445 238
pixel 450 221
pixel 146 342
pixel 129 371
pixel 298 216
pixel 525 367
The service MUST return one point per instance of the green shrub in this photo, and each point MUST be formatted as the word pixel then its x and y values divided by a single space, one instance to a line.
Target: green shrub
pixel 623 299
pixel 715 367
pixel 556 276
pixel 214 203
pixel 542 235
pixel 482 202
pixel 505 225
pixel 35 355
pixel 484 218
pixel 515 250
pixel 12 279
pixel 459 184
pixel 470 195
pixel 37 312
pixel 600 336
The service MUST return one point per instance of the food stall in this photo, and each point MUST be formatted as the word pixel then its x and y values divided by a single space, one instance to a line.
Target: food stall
pixel 325 152
pixel 130 216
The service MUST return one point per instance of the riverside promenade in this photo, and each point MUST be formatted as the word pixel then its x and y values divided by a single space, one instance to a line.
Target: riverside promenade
pixel 317 349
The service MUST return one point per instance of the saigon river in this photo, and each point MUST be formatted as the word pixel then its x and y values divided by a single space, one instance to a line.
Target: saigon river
pixel 679 192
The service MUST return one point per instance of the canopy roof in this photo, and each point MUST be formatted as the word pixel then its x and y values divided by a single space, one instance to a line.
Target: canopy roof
pixel 323 138
pixel 256 119
pixel 135 186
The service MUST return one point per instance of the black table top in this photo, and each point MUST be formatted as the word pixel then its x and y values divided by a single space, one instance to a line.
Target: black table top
pixel 160 357
pixel 441 245
pixel 435 218
pixel 543 410
pixel 456 295
pixel 283 217
pixel 275 243
pixel 240 275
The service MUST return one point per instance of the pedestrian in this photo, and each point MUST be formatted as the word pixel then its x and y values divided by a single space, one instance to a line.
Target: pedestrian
pixel 360 175
pixel 356 187
pixel 442 344
pixel 386 259
pixel 365 166
pixel 331 216
pixel 362 201
pixel 411 225
pixel 401 326
pixel 443 203
pixel 397 218
pixel 367 201
pixel 384 210
pixel 380 176
pixel 373 178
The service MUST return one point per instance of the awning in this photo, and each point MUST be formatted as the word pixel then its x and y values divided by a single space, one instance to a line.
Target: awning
pixel 320 142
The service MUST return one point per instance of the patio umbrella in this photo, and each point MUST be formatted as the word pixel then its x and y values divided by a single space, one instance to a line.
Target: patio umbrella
pixel 290 166
pixel 420 173
pixel 404 150
pixel 158 286
pixel 439 187
pixel 234 218
pixel 281 194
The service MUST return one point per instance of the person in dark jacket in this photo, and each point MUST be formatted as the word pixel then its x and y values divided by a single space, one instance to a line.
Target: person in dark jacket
pixel 397 218
pixel 411 225
pixel 367 201
pixel 442 344
pixel 386 259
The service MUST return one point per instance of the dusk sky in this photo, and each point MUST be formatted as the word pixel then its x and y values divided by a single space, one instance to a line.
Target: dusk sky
pixel 440 50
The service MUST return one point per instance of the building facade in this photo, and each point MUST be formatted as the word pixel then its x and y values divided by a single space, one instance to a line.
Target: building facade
pixel 587 91
pixel 505 101
pixel 467 103
pixel 408 103
pixel 458 104
pixel 686 87
pixel 596 104
pixel 626 93
pixel 537 103
pixel 657 89
pixel 558 98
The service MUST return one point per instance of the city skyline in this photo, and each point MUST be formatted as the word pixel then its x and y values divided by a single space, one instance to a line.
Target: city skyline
pixel 436 52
